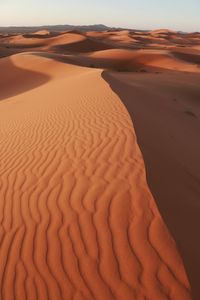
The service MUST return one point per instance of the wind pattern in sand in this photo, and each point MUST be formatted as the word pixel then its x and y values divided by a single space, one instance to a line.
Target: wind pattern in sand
pixel 77 218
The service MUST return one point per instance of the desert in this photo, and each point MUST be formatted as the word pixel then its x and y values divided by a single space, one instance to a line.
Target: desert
pixel 100 169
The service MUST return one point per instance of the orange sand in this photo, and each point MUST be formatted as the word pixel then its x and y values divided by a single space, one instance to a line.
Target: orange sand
pixel 77 217
pixel 78 220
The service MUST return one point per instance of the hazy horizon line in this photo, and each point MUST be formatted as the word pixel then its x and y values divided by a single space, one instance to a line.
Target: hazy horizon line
pixel 95 24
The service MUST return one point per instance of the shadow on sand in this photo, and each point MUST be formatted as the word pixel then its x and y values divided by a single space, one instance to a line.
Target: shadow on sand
pixel 175 188
pixel 15 80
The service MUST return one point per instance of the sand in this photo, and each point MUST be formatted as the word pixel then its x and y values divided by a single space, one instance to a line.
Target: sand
pixel 92 140
pixel 165 111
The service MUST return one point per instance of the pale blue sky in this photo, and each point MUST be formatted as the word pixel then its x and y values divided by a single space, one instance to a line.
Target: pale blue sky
pixel 141 14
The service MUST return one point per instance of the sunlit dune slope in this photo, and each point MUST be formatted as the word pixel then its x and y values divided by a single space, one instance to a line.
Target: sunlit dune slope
pixel 42 39
pixel 42 32
pixel 78 220
pixel 67 41
pixel 82 42
pixel 133 60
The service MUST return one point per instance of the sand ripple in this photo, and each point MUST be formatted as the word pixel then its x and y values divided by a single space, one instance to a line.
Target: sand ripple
pixel 77 219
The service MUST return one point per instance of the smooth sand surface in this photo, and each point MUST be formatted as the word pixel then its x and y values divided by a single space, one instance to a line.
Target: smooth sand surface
pixel 38 40
pixel 15 80
pixel 123 60
pixel 78 220
pixel 134 60
pixel 42 32
pixel 64 42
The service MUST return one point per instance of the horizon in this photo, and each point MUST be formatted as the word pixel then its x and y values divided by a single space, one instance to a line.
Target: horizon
pixel 97 24
pixel 173 15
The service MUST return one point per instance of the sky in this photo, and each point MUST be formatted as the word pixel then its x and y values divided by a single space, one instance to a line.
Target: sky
pixel 139 14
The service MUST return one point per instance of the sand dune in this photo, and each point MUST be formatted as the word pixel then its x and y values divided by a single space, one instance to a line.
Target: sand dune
pixel 65 42
pixel 42 32
pixel 78 220
pixel 64 39
pixel 163 32
pixel 165 111
pixel 146 58
pixel 41 40
pixel 15 81
pixel 74 41
pixel 196 47
pixel 133 61
pixel 188 56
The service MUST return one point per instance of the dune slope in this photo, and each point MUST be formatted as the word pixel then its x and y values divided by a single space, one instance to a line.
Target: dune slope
pixel 15 80
pixel 165 110
pixel 77 218
pixel 123 60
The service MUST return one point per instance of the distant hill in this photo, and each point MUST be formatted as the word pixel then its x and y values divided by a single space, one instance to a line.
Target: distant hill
pixel 29 29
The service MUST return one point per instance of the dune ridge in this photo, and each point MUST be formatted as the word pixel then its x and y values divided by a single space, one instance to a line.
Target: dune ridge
pixel 75 41
pixel 78 220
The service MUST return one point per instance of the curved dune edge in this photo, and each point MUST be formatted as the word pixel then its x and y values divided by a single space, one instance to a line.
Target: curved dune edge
pixel 78 42
pixel 77 218
pixel 16 80
pixel 146 58
pixel 131 60
pixel 44 39
pixel 165 108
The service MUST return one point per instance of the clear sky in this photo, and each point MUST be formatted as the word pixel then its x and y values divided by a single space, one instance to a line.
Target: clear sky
pixel 141 14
